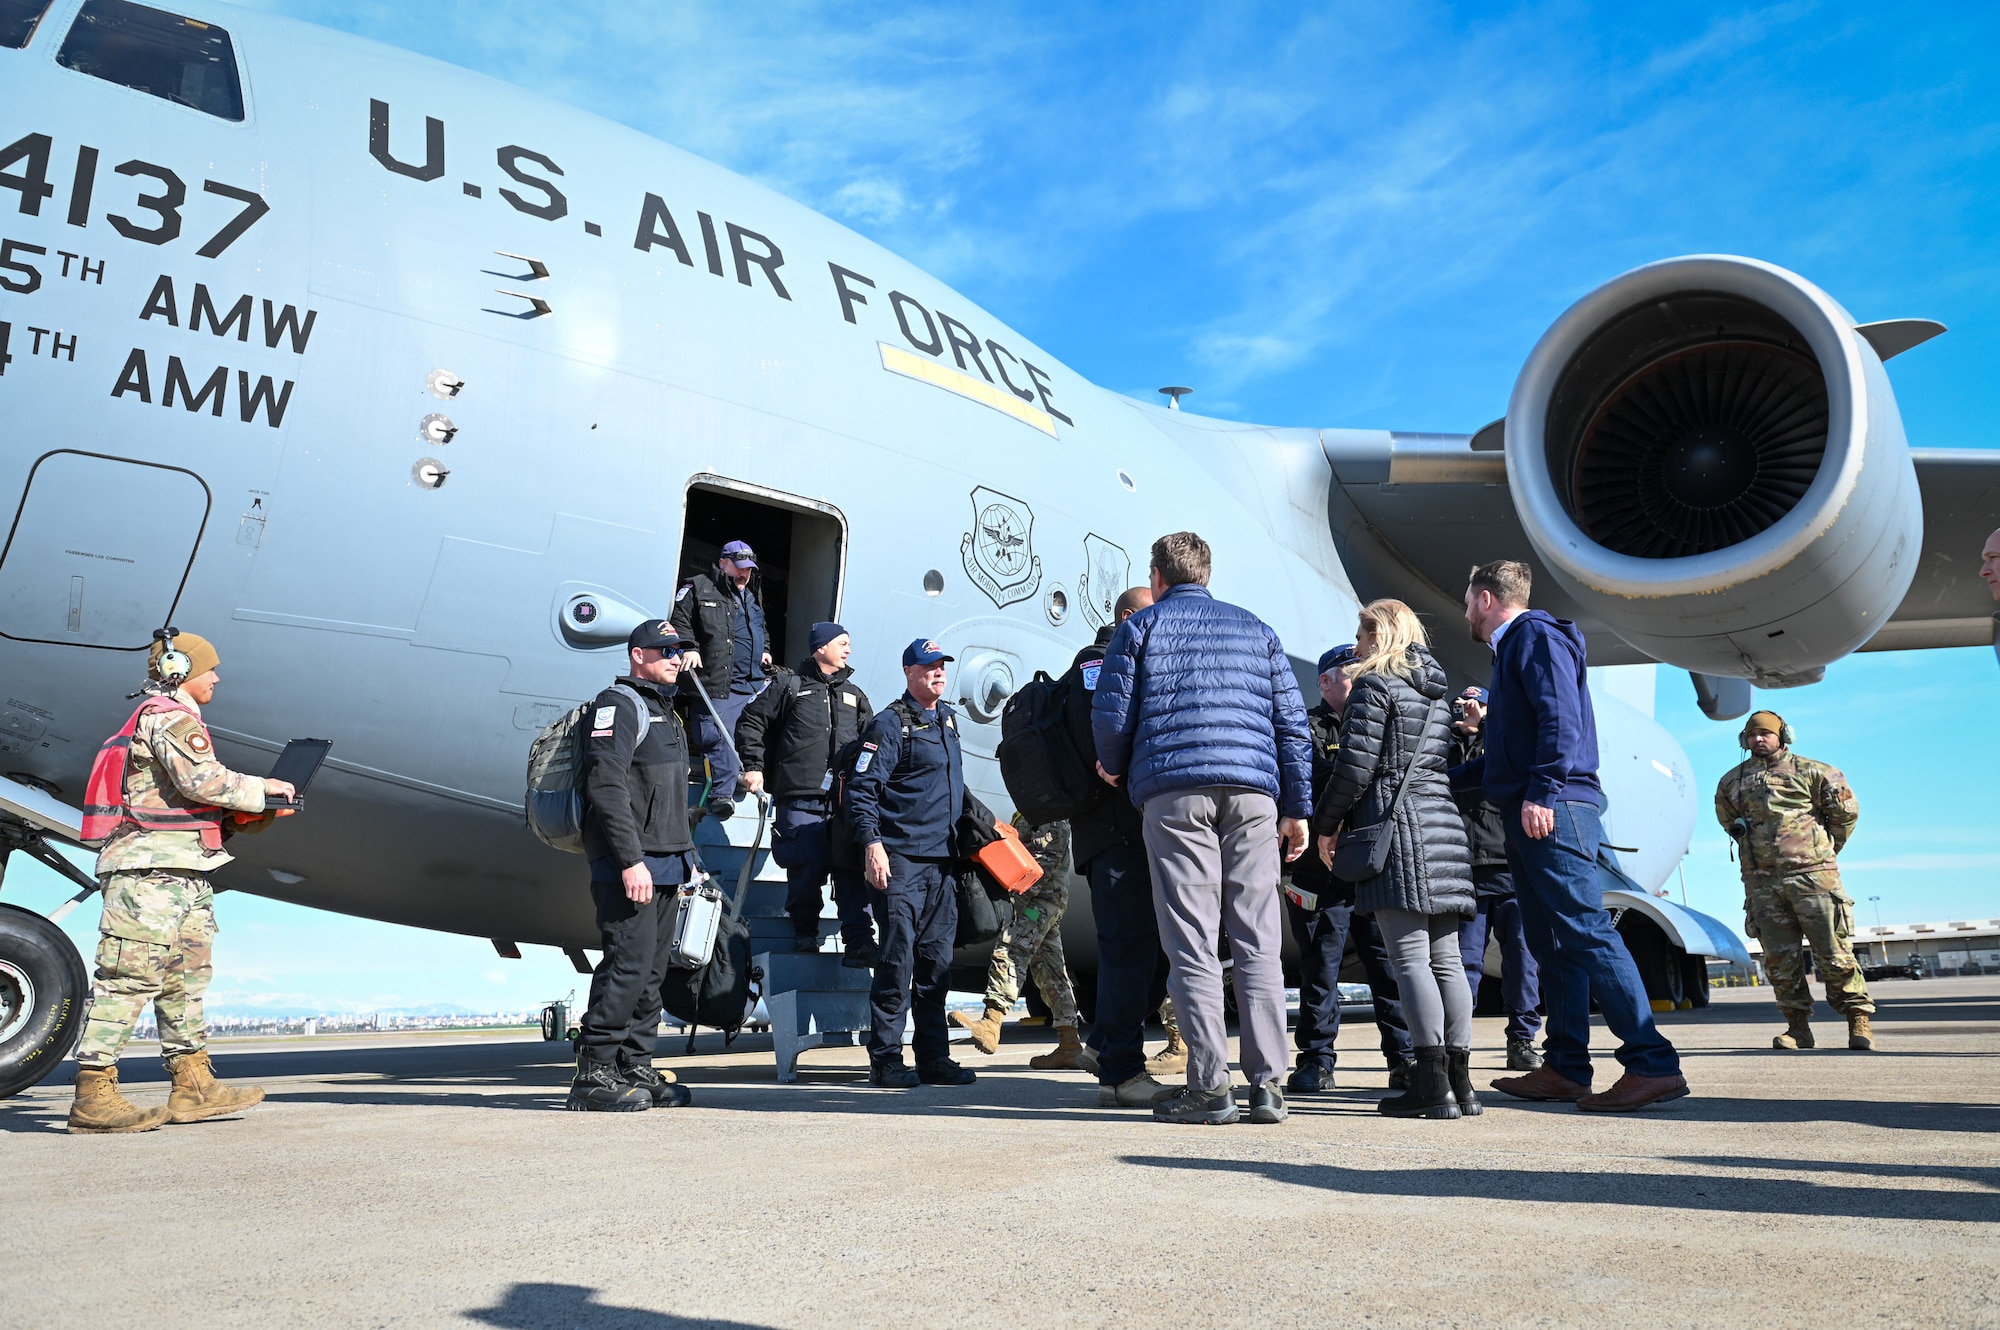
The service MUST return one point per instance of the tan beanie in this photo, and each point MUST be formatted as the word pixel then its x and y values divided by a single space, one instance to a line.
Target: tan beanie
pixel 1768 721
pixel 195 647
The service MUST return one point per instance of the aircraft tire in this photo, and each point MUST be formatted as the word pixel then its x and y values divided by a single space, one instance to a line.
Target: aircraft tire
pixel 44 995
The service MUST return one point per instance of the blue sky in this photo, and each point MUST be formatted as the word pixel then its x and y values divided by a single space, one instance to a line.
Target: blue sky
pixel 1357 216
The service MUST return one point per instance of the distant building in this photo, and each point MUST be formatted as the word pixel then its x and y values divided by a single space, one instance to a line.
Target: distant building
pixel 1956 947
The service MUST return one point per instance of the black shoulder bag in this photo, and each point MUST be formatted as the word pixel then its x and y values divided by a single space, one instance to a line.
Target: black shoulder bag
pixel 1363 852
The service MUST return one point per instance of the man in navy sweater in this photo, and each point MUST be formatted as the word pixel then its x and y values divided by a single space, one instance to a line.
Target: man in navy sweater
pixel 1540 770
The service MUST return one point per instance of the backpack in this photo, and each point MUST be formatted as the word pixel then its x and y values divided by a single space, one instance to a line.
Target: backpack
pixel 1046 757
pixel 554 803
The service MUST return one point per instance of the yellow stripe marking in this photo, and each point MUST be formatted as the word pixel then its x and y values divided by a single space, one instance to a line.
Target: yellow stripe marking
pixel 898 361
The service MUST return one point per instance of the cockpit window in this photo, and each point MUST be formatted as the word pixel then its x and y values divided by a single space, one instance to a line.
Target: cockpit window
pixel 18 19
pixel 181 59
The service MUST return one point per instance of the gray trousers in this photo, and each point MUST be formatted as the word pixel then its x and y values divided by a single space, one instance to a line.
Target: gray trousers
pixel 1214 856
pixel 1430 973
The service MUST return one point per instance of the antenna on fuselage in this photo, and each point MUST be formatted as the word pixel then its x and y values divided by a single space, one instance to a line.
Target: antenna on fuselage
pixel 1173 396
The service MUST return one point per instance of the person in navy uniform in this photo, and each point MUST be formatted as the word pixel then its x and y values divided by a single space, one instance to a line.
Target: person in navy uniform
pixel 1321 909
pixel 904 800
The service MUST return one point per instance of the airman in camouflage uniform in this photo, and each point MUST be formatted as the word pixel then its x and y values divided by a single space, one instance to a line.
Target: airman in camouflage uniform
pixel 1790 816
pixel 1033 942
pixel 158 926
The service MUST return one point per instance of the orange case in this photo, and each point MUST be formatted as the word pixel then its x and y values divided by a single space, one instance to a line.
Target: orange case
pixel 1008 862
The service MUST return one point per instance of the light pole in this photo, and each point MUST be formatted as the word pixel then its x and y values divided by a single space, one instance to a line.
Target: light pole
pixel 1876 901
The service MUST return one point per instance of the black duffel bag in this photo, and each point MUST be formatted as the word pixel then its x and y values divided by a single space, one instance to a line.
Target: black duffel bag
pixel 722 993
pixel 983 908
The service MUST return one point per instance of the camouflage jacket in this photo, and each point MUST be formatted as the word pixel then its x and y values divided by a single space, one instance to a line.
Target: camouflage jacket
pixel 1049 843
pixel 1800 814
pixel 173 765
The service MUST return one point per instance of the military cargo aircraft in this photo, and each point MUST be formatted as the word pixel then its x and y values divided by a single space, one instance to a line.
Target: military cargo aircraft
pixel 414 392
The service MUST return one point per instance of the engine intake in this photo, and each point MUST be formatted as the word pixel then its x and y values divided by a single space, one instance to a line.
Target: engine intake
pixel 1707 454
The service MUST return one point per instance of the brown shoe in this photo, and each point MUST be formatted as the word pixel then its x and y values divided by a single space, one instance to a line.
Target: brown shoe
pixel 99 1108
pixel 1635 1091
pixel 1860 1031
pixel 197 1095
pixel 1064 1056
pixel 985 1027
pixel 1542 1084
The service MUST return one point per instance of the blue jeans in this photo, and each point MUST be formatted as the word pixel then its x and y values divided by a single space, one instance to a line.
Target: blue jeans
pixel 1579 951
pixel 1520 980
pixel 803 846
pixel 919 917
pixel 723 767
pixel 1131 967
pixel 1322 935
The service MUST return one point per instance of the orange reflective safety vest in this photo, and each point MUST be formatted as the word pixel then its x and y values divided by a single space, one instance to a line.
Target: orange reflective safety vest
pixel 104 805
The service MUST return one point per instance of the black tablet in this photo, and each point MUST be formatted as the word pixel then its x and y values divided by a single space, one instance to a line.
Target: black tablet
pixel 297 765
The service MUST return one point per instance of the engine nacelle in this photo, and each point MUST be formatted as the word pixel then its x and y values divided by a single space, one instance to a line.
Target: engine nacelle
pixel 1706 454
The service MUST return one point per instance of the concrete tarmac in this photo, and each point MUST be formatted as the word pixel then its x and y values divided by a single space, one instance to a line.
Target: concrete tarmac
pixel 421 1183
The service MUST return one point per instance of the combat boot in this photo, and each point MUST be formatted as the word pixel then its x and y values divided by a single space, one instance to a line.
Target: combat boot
pixel 985 1027
pixel 1860 1031
pixel 1798 1032
pixel 100 1109
pixel 1065 1056
pixel 1171 1060
pixel 598 1088
pixel 198 1095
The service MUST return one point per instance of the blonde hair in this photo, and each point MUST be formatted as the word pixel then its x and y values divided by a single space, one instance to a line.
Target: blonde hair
pixel 1397 629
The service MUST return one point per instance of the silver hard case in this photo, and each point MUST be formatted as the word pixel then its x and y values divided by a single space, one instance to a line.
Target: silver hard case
pixel 697 919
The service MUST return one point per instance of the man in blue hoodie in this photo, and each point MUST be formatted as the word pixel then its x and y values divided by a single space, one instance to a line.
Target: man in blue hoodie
pixel 1197 717
pixel 1540 770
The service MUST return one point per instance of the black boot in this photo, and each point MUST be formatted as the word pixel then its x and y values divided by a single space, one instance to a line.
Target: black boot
pixel 1429 1095
pixel 1458 1069
pixel 599 1088
pixel 663 1092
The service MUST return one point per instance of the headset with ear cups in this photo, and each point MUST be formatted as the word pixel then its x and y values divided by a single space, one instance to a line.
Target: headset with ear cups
pixel 1785 734
pixel 175 664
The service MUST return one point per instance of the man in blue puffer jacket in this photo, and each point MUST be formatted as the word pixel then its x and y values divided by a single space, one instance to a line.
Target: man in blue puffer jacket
pixel 1197 714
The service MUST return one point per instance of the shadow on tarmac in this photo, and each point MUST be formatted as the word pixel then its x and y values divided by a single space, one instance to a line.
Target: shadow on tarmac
pixel 1788 1196
pixel 534 1306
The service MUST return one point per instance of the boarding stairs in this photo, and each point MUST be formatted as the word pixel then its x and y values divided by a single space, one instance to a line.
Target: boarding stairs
pixel 810 999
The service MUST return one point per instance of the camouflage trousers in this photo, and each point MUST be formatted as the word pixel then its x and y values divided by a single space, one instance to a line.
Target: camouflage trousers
pixel 1800 910
pixel 1033 943
pixel 1167 1021
pixel 157 945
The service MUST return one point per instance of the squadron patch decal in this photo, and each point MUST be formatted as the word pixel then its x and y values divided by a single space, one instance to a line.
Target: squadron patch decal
pixel 999 553
pixel 604 718
pixel 1107 571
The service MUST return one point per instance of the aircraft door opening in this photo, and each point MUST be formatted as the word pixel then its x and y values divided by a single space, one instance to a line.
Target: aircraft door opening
pixel 800 546
pixel 99 550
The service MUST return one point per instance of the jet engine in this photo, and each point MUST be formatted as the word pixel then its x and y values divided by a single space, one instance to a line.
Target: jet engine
pixel 1706 453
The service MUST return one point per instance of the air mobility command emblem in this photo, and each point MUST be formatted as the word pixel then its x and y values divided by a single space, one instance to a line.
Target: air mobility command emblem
pixel 999 552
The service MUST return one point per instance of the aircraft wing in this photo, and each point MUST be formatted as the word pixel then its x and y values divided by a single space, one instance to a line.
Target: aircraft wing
pixel 1948 605
pixel 1412 513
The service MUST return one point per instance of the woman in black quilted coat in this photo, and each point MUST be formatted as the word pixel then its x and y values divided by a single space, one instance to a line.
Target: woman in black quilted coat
pixel 1424 891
